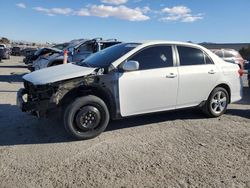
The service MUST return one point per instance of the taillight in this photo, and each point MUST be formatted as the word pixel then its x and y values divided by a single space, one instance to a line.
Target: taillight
pixel 241 72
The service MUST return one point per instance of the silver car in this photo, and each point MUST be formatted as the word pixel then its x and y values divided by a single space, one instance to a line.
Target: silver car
pixel 231 56
pixel 78 50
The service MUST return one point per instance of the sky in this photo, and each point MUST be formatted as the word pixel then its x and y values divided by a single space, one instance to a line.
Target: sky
pixel 221 21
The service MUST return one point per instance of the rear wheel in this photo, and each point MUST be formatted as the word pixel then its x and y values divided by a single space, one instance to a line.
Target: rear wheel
pixel 217 102
pixel 86 117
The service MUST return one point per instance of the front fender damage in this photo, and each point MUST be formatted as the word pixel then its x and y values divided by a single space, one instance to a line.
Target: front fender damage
pixel 52 94
pixel 67 86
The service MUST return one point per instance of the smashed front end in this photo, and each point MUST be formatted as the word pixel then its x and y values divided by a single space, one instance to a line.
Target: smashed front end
pixel 36 98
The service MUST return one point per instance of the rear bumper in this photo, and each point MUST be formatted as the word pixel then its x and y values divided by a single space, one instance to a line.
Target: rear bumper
pixel 31 106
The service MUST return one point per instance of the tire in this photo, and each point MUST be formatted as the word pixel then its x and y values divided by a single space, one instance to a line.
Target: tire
pixel 86 117
pixel 214 107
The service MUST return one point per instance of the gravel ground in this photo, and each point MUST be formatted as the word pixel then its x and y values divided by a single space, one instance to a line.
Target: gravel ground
pixel 171 149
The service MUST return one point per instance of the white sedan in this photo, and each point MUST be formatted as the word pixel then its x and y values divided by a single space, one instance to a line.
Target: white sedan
pixel 132 79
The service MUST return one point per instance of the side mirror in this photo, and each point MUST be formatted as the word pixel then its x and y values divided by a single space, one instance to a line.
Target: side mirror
pixel 130 66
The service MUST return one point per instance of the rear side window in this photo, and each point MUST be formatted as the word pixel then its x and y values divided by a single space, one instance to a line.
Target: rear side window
pixel 208 59
pixel 154 57
pixel 191 56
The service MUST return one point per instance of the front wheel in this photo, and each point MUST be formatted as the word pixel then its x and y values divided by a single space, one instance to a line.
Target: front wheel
pixel 217 102
pixel 86 117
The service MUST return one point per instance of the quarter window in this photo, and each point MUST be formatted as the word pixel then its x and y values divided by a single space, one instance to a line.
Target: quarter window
pixel 192 56
pixel 154 57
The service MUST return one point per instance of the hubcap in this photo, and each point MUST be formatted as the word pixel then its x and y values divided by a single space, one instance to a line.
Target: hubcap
pixel 219 102
pixel 88 118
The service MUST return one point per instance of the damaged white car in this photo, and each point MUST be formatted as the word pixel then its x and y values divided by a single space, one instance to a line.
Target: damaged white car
pixel 132 79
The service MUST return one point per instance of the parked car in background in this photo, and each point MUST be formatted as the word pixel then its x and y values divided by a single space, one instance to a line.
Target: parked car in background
pixel 28 51
pixel 16 51
pixel 3 46
pixel 28 60
pixel 4 53
pixel 130 79
pixel 231 56
pixel 61 46
pixel 46 51
pixel 77 50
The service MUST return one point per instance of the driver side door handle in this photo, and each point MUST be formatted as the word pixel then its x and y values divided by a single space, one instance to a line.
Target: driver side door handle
pixel 171 75
pixel 211 72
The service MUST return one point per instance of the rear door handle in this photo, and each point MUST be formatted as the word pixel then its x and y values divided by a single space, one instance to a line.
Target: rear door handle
pixel 171 75
pixel 211 72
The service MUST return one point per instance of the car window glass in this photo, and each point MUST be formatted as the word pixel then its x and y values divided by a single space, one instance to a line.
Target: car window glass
pixel 85 48
pixel 219 53
pixel 207 59
pixel 228 54
pixel 107 56
pixel 154 57
pixel 108 44
pixel 190 56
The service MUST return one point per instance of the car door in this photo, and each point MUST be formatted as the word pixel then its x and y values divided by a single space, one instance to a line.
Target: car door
pixel 197 76
pixel 151 88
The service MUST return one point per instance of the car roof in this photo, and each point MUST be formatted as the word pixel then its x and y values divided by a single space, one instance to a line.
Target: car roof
pixel 78 43
pixel 153 42
pixel 156 42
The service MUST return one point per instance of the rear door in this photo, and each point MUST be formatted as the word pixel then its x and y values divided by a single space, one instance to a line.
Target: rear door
pixel 197 76
pixel 151 88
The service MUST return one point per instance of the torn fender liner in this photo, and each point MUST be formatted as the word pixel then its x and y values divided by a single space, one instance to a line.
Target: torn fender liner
pixel 58 73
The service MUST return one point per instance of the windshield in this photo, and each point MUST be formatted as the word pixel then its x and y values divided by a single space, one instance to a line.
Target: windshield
pixel 104 58
pixel 38 51
pixel 75 43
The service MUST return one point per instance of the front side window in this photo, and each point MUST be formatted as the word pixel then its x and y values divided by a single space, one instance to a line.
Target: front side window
pixel 191 56
pixel 154 57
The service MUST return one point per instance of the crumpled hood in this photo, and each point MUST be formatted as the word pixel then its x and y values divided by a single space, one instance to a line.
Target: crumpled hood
pixel 57 73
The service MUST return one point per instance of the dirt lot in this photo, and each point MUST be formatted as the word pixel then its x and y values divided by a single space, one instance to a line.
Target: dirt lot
pixel 172 149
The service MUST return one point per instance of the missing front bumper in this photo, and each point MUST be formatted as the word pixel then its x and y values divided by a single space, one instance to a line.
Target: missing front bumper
pixel 31 106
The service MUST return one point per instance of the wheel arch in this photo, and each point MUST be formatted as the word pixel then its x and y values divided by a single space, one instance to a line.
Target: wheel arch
pixel 102 93
pixel 227 88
